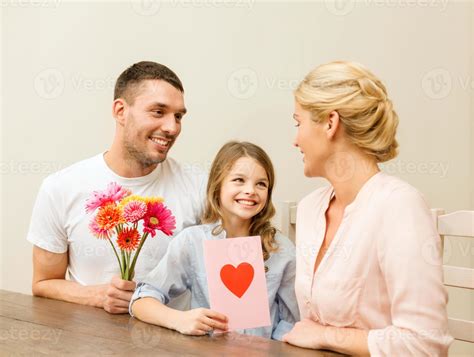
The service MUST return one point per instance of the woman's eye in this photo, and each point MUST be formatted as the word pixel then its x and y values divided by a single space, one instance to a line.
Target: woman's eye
pixel 238 179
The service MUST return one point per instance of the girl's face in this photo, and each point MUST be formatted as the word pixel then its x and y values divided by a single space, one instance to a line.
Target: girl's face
pixel 244 190
pixel 311 140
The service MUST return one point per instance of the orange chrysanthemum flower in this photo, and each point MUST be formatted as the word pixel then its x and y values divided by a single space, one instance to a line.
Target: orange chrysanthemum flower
pixel 128 239
pixel 109 216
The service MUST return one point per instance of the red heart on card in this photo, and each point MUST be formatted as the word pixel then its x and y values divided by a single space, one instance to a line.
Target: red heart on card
pixel 237 280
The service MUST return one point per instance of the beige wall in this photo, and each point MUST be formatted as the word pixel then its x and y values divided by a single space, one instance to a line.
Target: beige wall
pixel 239 63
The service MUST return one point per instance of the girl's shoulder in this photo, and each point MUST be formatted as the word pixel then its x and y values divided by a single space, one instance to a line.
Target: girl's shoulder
pixel 286 248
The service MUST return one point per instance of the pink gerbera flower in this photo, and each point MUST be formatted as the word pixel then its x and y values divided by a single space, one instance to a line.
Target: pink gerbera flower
pixel 134 211
pixel 158 217
pixel 98 231
pixel 114 192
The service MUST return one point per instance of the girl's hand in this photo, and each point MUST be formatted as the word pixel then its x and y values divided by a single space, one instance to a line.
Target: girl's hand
pixel 199 321
pixel 307 334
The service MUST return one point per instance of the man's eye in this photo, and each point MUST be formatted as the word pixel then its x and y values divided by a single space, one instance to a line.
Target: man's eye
pixel 158 113
pixel 178 116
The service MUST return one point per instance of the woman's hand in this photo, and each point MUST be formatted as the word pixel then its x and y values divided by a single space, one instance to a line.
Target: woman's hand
pixel 199 321
pixel 307 334
pixel 310 334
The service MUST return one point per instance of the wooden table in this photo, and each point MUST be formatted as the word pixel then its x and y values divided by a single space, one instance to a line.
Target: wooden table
pixel 31 325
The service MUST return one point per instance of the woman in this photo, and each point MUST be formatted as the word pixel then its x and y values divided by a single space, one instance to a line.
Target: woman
pixel 366 277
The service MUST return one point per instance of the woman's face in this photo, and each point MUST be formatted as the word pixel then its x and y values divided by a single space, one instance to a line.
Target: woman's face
pixel 312 141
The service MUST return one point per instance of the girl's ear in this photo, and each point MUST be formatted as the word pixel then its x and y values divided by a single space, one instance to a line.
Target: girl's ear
pixel 119 111
pixel 332 124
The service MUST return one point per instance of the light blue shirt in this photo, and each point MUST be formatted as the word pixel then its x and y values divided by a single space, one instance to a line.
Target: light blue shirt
pixel 182 268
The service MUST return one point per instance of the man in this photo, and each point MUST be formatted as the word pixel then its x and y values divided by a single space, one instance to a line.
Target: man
pixel 148 108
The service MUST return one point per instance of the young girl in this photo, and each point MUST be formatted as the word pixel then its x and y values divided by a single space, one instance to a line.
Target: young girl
pixel 238 204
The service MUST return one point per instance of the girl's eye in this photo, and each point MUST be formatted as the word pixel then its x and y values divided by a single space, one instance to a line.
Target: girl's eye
pixel 238 179
pixel 262 184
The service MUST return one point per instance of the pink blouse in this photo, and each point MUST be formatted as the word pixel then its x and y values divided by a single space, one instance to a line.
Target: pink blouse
pixel 382 271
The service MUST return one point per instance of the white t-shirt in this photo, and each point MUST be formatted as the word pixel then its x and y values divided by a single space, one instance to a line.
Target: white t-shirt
pixel 59 221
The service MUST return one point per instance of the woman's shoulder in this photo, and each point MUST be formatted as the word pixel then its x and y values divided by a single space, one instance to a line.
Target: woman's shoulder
pixel 314 197
pixel 393 190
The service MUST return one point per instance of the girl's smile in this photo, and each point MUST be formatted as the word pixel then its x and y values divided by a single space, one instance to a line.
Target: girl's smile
pixel 244 191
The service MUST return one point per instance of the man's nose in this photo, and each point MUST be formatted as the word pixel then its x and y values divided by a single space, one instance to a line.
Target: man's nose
pixel 170 125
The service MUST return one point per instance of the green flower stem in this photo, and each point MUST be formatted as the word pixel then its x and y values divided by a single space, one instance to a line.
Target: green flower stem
pixel 127 256
pixel 118 259
pixel 134 261
pixel 124 263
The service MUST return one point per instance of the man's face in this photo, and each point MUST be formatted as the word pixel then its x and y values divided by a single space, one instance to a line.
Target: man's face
pixel 153 122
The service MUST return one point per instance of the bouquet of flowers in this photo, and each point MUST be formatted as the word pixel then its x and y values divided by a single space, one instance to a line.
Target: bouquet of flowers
pixel 118 213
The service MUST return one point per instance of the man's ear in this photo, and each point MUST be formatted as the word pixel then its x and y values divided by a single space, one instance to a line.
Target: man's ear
pixel 332 124
pixel 119 108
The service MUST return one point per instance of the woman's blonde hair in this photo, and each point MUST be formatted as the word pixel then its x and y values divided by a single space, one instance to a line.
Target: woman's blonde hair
pixel 360 98
pixel 221 166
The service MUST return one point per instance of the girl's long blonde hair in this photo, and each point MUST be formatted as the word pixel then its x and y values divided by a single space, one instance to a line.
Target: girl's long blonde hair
pixel 221 166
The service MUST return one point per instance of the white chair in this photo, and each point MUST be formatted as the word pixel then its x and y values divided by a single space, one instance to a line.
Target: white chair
pixel 456 224
pixel 288 219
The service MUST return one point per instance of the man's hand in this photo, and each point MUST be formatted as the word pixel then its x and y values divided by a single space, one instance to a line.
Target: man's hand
pixel 199 321
pixel 117 295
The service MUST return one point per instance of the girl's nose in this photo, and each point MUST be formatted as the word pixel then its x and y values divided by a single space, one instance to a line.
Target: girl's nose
pixel 249 189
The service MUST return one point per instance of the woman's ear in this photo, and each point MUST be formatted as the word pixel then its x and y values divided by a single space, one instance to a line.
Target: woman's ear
pixel 119 107
pixel 332 124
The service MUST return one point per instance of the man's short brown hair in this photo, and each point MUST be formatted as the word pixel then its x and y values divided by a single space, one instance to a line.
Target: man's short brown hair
pixel 130 79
